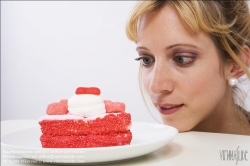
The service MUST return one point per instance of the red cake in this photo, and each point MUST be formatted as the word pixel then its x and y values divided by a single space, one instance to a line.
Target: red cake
pixel 85 121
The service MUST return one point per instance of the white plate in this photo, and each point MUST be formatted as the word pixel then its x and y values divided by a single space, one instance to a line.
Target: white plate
pixel 147 137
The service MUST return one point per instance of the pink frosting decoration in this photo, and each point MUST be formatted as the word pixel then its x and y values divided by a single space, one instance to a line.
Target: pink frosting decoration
pixel 58 108
pixel 112 107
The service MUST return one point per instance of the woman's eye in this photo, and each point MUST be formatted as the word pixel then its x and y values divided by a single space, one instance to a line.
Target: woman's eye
pixel 146 61
pixel 183 60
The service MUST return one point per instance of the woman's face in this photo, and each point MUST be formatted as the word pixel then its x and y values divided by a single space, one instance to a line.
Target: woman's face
pixel 181 71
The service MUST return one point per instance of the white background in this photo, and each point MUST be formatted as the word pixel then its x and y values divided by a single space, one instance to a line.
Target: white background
pixel 48 49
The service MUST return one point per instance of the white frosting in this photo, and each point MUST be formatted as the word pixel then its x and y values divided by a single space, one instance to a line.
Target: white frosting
pixel 86 105
pixel 72 117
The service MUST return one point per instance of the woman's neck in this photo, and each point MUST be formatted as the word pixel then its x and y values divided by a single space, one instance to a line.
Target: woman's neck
pixel 226 118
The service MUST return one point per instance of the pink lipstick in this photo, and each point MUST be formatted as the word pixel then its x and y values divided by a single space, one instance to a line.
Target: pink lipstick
pixel 168 109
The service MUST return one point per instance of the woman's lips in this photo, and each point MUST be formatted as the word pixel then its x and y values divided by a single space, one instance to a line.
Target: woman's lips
pixel 169 109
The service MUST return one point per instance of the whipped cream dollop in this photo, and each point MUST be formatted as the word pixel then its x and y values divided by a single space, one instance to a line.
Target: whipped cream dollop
pixel 86 105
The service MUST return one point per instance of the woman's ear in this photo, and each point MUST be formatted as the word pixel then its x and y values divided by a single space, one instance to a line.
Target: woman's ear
pixel 236 70
pixel 246 55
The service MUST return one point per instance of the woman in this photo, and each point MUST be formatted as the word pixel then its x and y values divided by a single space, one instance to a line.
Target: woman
pixel 192 54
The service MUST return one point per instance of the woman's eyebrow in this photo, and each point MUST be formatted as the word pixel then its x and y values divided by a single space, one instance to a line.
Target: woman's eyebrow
pixel 181 44
pixel 169 47
pixel 141 48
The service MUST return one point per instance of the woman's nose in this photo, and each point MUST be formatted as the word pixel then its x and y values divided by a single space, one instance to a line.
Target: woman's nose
pixel 161 79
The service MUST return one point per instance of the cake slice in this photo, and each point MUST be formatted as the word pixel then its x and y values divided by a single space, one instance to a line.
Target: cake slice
pixel 109 125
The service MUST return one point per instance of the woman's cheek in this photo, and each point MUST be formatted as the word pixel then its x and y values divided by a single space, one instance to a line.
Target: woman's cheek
pixel 146 78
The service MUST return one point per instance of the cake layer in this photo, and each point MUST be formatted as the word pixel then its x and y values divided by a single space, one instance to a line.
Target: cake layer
pixel 86 141
pixel 80 126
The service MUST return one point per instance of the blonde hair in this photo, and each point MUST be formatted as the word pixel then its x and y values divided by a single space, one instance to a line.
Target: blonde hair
pixel 227 22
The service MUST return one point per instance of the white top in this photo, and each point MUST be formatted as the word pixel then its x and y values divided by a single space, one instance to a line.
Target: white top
pixel 72 117
pixel 86 105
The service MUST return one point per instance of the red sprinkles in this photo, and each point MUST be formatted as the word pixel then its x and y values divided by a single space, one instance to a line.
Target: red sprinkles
pixel 111 130
pixel 86 141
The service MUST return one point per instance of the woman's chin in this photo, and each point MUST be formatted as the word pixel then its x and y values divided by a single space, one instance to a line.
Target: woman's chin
pixel 180 127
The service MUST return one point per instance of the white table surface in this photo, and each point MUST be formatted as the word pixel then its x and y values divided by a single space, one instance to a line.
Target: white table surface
pixel 186 149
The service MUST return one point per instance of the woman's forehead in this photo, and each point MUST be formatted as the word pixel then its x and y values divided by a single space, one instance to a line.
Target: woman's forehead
pixel 164 23
pixel 168 11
